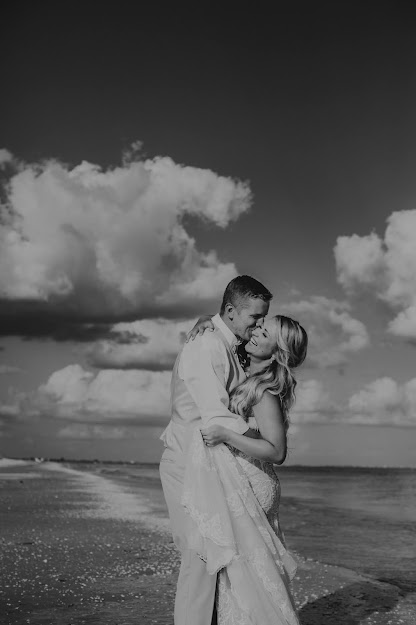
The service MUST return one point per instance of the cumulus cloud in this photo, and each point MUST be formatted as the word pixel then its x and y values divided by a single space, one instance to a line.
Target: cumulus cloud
pixel 8 369
pixel 112 399
pixel 84 244
pixel 359 260
pixel 106 402
pixel 110 393
pixel 333 332
pixel 9 410
pixel 313 404
pixel 386 267
pixel 5 157
pixel 381 402
pixel 154 344
pixel 146 344
pixel 404 324
pixel 96 431
pixel 384 401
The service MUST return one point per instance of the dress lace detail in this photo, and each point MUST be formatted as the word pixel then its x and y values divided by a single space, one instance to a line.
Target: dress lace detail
pixel 232 502
pixel 228 610
pixel 200 459
pixel 209 526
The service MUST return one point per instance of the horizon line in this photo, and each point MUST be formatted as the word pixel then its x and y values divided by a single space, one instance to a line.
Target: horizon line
pixel 139 462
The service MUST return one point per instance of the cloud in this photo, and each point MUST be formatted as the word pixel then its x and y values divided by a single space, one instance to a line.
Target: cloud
pixel 404 324
pixel 5 157
pixel 385 267
pixel 359 260
pixel 313 404
pixel 333 333
pixel 385 402
pixel 95 431
pixel 9 410
pixel 147 344
pixel 73 391
pixel 8 369
pixel 381 402
pixel 102 405
pixel 85 245
pixel 154 344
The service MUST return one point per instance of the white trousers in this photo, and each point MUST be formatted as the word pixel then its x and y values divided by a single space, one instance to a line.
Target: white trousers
pixel 195 592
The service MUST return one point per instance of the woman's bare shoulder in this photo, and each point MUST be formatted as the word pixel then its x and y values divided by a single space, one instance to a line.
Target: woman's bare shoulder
pixel 268 405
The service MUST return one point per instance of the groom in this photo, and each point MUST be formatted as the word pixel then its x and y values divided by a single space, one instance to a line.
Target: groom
pixel 206 371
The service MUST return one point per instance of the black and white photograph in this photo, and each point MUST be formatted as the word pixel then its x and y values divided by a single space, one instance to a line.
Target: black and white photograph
pixel 208 314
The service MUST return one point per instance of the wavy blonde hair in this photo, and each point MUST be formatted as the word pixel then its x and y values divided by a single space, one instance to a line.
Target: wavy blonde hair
pixel 277 376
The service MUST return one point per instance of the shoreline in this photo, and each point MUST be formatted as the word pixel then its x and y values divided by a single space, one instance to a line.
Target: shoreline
pixel 107 536
pixel 137 463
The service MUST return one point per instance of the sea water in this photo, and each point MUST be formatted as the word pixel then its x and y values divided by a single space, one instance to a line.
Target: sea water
pixel 360 518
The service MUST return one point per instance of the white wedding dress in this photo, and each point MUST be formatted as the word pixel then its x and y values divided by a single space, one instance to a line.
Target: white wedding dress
pixel 232 502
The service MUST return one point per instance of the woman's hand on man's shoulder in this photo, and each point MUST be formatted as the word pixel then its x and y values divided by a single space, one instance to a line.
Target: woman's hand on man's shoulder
pixel 203 323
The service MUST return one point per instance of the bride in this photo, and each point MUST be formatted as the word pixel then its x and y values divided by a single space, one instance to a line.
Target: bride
pixel 235 529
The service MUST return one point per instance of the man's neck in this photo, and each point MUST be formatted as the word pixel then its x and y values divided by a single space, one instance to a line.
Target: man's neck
pixel 228 324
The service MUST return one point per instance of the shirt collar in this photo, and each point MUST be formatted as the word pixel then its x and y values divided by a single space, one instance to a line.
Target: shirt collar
pixel 232 339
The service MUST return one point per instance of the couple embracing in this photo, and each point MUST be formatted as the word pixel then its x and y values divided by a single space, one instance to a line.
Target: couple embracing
pixel 232 389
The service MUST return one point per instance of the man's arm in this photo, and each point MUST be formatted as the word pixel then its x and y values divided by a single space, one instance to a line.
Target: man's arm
pixel 204 369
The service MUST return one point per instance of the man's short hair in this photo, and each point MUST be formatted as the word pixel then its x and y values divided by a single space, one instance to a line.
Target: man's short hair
pixel 242 287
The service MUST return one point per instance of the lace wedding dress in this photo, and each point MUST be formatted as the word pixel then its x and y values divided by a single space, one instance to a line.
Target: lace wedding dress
pixel 232 502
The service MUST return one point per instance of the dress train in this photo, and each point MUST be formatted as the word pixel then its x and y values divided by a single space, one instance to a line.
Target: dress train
pixel 232 502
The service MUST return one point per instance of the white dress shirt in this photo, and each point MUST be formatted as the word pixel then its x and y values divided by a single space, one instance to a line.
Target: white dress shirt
pixel 206 371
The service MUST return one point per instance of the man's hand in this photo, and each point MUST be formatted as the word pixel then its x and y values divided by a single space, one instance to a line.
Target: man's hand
pixel 203 323
pixel 214 435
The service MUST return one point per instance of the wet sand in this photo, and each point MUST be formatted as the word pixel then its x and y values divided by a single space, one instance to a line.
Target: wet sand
pixel 80 544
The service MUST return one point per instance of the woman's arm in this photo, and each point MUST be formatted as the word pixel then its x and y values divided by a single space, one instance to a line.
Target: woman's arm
pixel 204 323
pixel 271 447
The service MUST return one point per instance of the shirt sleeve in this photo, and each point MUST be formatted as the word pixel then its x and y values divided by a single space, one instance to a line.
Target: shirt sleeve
pixel 204 369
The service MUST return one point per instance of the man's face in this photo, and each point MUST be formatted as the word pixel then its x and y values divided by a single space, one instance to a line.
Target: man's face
pixel 248 314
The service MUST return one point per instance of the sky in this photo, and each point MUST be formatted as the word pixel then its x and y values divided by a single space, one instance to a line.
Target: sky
pixel 147 158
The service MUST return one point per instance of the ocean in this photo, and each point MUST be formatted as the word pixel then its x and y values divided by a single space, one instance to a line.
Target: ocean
pixel 360 518
pixel 59 524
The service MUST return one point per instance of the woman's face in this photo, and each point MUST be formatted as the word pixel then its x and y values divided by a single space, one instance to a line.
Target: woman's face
pixel 262 344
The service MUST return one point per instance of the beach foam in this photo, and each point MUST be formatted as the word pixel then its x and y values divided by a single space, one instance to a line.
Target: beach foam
pixel 11 462
pixel 18 476
pixel 113 501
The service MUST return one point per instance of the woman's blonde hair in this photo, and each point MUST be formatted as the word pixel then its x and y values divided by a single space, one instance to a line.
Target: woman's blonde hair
pixel 277 376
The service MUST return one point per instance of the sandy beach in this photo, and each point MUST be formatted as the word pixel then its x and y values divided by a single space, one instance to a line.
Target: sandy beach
pixel 88 544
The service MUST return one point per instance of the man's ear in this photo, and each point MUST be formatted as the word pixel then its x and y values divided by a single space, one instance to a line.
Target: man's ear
pixel 229 311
